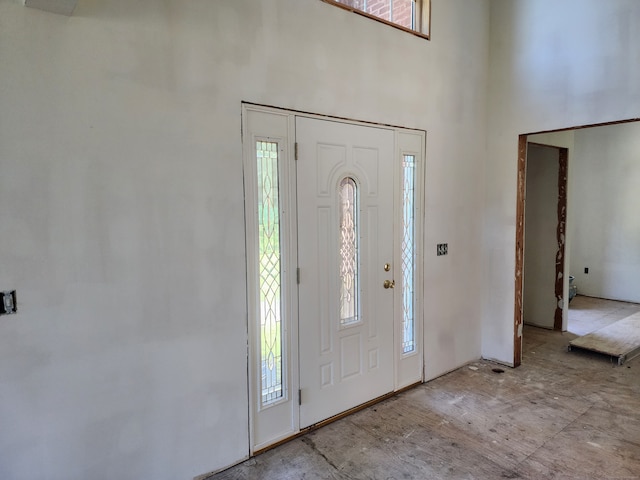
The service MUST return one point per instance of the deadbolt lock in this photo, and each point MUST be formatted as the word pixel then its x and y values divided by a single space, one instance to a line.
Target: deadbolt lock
pixel 387 267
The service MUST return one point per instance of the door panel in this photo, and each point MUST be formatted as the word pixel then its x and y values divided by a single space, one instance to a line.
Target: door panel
pixel 345 359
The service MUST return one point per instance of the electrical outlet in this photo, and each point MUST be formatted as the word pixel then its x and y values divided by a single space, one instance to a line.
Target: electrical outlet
pixel 443 249
pixel 8 305
pixel 586 269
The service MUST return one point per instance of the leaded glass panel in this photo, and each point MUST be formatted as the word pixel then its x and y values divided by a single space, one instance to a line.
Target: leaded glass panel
pixel 408 253
pixel 269 271
pixel 348 252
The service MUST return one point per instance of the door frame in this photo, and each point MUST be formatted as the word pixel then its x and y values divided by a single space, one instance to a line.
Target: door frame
pixel 561 236
pixel 521 163
pixel 289 300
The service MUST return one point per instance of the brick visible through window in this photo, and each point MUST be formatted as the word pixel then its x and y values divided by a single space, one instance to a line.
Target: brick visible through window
pixel 409 14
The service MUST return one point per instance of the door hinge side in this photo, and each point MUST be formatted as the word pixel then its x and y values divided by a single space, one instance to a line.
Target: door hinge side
pixel 300 397
pixel 295 151
pixel 298 275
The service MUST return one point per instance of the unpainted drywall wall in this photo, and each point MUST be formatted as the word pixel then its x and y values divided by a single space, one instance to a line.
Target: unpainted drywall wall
pixel 541 243
pixel 604 200
pixel 552 65
pixel 562 139
pixel 121 210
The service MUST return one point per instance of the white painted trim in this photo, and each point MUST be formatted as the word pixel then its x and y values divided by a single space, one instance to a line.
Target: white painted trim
pixel 415 369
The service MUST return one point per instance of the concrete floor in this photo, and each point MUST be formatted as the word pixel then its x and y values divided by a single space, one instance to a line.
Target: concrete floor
pixel 561 415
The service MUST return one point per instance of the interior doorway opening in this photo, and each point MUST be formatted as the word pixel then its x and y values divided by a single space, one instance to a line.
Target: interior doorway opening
pixel 595 244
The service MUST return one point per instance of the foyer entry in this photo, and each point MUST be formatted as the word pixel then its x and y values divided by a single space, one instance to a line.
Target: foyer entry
pixel 334 235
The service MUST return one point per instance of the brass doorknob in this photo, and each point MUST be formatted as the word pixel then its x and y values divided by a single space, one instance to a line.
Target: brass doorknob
pixel 389 283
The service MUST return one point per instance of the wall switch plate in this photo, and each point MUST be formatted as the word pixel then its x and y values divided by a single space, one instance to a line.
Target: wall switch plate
pixel 9 304
pixel 586 269
pixel 443 249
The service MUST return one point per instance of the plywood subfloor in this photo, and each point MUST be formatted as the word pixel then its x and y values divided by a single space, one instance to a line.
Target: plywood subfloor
pixel 621 339
pixel 587 314
pixel 561 415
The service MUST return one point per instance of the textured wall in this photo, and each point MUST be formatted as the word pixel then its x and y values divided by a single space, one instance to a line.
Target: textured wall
pixel 121 210
pixel 541 244
pixel 552 65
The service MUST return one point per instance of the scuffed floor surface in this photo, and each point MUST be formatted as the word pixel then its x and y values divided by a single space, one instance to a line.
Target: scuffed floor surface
pixel 561 415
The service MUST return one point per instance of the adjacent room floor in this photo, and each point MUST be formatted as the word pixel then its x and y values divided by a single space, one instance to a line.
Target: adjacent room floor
pixel 587 314
pixel 562 414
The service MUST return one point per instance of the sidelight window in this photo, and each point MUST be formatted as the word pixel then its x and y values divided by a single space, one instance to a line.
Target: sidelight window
pixel 408 253
pixel 269 271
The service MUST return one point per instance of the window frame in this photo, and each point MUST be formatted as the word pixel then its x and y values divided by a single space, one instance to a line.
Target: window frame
pixel 423 21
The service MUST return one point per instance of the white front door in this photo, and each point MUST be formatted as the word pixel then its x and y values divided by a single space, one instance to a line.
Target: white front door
pixel 345 190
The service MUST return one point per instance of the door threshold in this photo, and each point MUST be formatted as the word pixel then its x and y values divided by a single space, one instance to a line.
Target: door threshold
pixel 335 418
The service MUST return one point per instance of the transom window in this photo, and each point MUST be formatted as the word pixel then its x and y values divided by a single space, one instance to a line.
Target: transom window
pixel 409 15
